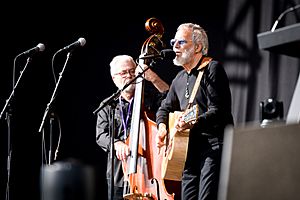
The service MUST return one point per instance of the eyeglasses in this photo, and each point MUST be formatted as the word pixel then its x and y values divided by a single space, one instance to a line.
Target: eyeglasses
pixel 125 72
pixel 180 42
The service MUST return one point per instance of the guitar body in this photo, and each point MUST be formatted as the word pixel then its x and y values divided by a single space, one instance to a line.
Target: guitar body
pixel 175 153
pixel 177 145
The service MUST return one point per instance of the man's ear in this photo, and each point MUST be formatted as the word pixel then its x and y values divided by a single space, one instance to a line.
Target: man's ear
pixel 198 48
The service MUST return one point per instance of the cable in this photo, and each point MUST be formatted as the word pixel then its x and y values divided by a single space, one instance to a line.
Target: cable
pixel 59 139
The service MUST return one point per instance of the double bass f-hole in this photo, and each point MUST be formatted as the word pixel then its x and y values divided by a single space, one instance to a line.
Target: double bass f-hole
pixel 142 169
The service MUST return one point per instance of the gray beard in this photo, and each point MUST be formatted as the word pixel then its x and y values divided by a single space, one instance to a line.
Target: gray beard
pixel 184 59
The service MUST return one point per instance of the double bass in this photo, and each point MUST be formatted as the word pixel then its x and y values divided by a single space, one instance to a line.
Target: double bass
pixel 142 169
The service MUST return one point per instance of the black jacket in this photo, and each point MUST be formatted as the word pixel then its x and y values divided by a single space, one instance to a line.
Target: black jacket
pixel 151 103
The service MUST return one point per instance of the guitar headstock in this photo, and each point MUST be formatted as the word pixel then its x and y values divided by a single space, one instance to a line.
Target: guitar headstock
pixel 191 114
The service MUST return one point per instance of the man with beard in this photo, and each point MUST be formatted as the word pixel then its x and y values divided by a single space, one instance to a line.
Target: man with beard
pixel 200 177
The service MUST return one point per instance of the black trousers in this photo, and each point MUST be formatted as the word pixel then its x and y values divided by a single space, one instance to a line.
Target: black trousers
pixel 117 193
pixel 201 182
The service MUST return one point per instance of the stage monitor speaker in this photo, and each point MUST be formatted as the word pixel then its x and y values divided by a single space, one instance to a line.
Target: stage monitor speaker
pixel 261 163
pixel 67 180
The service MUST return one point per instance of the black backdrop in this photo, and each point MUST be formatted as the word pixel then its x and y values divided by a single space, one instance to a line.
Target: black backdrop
pixel 86 80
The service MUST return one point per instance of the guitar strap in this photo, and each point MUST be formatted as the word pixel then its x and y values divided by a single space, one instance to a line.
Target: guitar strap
pixel 205 61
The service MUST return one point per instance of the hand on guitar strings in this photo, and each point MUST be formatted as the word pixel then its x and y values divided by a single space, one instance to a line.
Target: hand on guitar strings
pixel 182 125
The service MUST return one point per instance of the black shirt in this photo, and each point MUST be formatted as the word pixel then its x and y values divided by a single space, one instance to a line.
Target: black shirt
pixel 214 100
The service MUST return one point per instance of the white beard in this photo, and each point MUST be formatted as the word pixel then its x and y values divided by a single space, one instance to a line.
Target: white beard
pixel 185 58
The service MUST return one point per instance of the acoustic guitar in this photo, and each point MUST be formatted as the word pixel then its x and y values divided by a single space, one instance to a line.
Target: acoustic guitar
pixel 177 144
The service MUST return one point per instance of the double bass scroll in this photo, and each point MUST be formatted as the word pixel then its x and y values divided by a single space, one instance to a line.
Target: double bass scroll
pixel 142 169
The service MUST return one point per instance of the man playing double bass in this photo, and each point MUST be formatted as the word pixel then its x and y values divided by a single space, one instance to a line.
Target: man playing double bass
pixel 123 70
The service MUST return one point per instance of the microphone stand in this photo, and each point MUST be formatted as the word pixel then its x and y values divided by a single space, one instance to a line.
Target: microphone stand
pixel 54 93
pixel 112 136
pixel 111 102
pixel 50 104
pixel 50 137
pixel 15 86
pixel 8 117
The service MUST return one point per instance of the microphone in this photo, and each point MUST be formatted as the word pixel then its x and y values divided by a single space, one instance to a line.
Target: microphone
pixel 30 52
pixel 165 53
pixel 80 42
pixel 283 14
